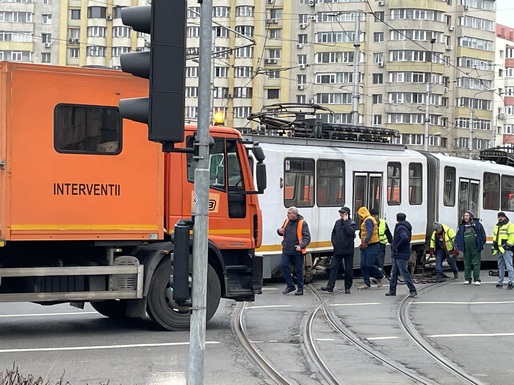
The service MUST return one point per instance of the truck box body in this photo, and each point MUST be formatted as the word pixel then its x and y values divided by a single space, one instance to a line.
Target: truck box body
pixel 48 194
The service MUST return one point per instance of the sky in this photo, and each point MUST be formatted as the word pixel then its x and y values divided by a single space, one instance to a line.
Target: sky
pixel 505 12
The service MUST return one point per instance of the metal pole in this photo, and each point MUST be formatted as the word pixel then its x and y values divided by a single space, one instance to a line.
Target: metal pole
pixel 427 101
pixel 356 75
pixel 200 204
pixel 470 140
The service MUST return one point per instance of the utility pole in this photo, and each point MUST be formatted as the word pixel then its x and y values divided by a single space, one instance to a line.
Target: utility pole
pixel 200 204
pixel 356 74
pixel 429 92
pixel 470 140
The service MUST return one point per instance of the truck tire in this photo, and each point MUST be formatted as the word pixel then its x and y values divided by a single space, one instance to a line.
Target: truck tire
pixel 111 308
pixel 161 307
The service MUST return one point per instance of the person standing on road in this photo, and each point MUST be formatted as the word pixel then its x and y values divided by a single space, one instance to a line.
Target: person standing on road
pixel 343 235
pixel 369 249
pixel 384 236
pixel 400 253
pixel 441 242
pixel 503 244
pixel 296 238
pixel 470 239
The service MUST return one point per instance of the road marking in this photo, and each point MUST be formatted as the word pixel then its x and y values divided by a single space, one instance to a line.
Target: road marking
pixel 47 314
pixel 325 339
pixel 462 303
pixel 168 378
pixel 472 335
pixel 381 338
pixel 99 347
pixel 266 306
pixel 355 304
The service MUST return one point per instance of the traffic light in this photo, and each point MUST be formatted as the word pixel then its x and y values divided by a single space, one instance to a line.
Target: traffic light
pixel 164 66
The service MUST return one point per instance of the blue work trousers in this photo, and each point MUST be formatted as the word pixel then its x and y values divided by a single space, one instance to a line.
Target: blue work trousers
pixel 298 260
pixel 368 263
pixel 400 268
pixel 505 261
pixel 440 257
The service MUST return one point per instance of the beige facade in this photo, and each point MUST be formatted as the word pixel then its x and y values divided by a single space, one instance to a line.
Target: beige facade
pixel 281 51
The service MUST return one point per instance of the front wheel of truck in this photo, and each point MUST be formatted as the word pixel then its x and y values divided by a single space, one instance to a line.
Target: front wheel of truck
pixel 163 310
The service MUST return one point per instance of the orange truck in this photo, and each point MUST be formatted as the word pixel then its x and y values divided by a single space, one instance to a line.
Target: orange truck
pixel 88 205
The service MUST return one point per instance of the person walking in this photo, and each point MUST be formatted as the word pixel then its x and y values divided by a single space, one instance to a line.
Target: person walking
pixel 384 236
pixel 400 253
pixel 503 244
pixel 296 238
pixel 369 249
pixel 470 239
pixel 343 236
pixel 441 242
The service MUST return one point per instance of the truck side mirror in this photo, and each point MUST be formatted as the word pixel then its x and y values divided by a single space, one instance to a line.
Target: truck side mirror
pixel 260 170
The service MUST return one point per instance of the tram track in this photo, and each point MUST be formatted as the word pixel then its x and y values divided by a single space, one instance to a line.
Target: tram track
pixel 315 356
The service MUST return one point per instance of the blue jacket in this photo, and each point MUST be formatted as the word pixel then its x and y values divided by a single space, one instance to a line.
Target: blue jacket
pixel 400 247
pixel 479 231
pixel 343 235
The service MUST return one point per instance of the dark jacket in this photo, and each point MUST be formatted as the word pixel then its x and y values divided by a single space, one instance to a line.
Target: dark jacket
pixel 400 247
pixel 343 235
pixel 290 239
pixel 479 231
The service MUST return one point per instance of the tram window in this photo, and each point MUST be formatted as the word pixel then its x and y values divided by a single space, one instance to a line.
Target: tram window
pixel 491 191
pixel 449 186
pixel 415 183
pixel 507 196
pixel 468 196
pixel 394 185
pixel 299 182
pixel 330 183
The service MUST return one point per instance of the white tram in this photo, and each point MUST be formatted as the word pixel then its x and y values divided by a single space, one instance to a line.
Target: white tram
pixel 320 174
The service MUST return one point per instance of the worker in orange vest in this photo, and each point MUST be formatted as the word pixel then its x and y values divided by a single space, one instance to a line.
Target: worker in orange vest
pixel 296 238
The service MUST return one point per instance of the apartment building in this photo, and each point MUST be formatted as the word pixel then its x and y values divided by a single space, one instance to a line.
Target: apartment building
pixel 424 67
pixel 504 86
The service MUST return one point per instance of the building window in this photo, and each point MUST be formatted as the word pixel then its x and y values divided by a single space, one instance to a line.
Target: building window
pixel 242 112
pixel 377 98
pixel 121 31
pixel 243 72
pixel 96 51
pixel 275 34
pixel 274 74
pixel 273 93
pixel 245 30
pixel 46 57
pixel 75 14
pixel 245 11
pixel 96 12
pixel 378 78
pixel 46 37
pixel 74 52
pixel 96 31
pixel 220 11
pixel 378 37
pixel 379 16
pixel 377 119
pixel 46 19
pixel 117 51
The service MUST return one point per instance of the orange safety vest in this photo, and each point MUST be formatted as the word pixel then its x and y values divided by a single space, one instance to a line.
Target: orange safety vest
pixel 298 233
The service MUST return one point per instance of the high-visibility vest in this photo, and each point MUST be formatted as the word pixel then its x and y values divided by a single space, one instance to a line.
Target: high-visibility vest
pixel 298 232
pixel 504 234
pixel 382 237
pixel 364 232
pixel 448 239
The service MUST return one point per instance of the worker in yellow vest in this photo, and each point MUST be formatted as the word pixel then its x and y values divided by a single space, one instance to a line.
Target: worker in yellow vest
pixel 369 249
pixel 296 238
pixel 503 245
pixel 384 237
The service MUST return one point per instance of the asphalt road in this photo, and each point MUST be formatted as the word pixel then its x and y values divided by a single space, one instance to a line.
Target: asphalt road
pixel 471 325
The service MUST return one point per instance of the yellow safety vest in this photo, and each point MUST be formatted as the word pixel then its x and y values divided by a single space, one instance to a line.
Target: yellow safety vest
pixel 504 233
pixel 448 238
pixel 374 235
pixel 382 237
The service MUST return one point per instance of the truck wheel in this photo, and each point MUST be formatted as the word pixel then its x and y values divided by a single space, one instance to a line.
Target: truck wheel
pixel 164 311
pixel 111 308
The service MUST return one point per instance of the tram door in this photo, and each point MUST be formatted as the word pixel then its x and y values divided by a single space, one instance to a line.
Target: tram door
pixel 367 191
pixel 468 197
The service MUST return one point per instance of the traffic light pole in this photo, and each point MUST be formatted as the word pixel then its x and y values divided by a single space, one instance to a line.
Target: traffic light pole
pixel 201 204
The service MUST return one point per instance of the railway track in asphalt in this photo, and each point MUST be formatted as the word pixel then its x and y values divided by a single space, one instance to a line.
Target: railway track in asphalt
pixel 276 372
